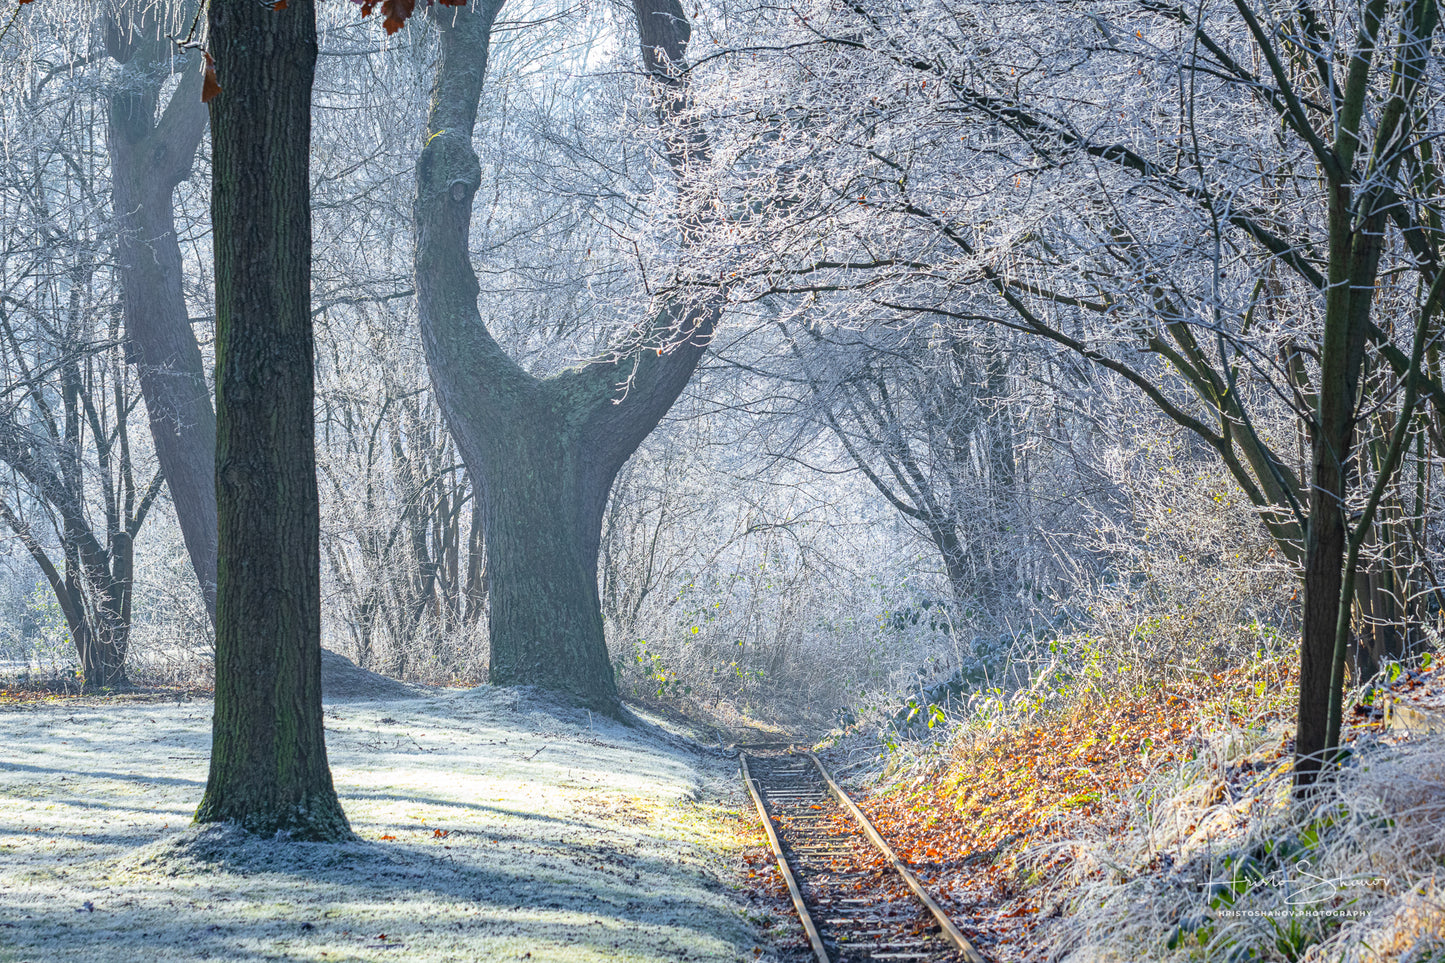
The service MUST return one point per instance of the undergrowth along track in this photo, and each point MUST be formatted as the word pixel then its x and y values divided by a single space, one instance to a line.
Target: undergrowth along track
pixel 856 899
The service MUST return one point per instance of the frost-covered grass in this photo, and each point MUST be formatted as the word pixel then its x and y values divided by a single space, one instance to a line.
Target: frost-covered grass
pixel 1157 824
pixel 1216 862
pixel 490 829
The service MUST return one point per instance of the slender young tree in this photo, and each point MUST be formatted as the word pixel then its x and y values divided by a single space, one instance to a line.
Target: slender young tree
pixel 543 451
pixel 268 759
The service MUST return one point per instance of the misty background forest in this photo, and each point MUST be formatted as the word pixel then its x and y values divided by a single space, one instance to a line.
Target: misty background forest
pixel 900 374
pixel 878 476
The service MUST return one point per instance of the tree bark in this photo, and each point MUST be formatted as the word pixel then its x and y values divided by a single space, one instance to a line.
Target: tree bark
pixel 543 452
pixel 1353 266
pixel 1323 575
pixel 269 771
pixel 542 515
pixel 149 159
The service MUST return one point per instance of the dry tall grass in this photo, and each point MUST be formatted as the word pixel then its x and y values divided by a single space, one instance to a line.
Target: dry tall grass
pixel 1216 863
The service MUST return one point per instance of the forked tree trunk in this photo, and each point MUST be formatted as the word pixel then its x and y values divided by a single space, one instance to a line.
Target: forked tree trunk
pixel 94 582
pixel 149 158
pixel 268 755
pixel 102 657
pixel 107 632
pixel 543 452
pixel 100 633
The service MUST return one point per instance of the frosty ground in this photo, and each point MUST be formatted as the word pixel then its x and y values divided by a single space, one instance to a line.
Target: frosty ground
pixel 492 827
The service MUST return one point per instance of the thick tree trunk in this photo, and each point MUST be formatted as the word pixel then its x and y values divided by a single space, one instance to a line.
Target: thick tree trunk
pixel 543 452
pixel 543 522
pixel 268 759
pixel 149 158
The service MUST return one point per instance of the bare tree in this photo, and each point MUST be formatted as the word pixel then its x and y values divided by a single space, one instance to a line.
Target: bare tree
pixel 1201 201
pixel 153 150
pixel 65 437
pixel 931 428
pixel 79 492
pixel 543 451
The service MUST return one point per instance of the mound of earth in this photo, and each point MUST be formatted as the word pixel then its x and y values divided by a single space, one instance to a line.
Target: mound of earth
pixel 488 828
pixel 344 681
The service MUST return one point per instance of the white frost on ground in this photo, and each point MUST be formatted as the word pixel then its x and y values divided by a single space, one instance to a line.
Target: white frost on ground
pixel 520 834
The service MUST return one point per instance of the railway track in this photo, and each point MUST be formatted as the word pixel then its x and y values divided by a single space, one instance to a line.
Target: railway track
pixel 855 898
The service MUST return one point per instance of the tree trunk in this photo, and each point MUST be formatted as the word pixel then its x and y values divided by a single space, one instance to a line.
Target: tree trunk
pixel 268 759
pixel 962 581
pixel 1323 575
pixel 1342 351
pixel 543 523
pixel 149 158
pixel 543 453
pixel 102 656
pixel 476 587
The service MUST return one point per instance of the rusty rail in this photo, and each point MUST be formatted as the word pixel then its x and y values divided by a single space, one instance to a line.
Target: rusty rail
pixel 859 926
pixel 807 918
pixel 950 932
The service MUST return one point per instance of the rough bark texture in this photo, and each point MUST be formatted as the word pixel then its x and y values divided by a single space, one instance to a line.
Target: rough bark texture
pixel 268 760
pixel 149 157
pixel 1323 575
pixel 1354 263
pixel 544 452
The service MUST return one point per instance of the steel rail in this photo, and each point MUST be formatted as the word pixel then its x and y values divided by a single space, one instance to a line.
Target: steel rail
pixel 947 931
pixel 793 890
pixel 950 932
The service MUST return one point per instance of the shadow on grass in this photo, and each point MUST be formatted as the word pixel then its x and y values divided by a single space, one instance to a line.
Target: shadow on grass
pixel 309 893
pixel 420 800
pixel 106 774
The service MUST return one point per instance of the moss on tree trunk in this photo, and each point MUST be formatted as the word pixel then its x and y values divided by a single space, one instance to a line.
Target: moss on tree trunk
pixel 269 771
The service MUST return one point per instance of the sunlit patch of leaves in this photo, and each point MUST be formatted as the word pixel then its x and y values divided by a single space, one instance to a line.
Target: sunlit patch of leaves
pixel 19 695
pixel 965 824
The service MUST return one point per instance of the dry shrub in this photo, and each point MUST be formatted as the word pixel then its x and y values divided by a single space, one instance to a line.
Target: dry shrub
pixel 783 639
pixel 1185 574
